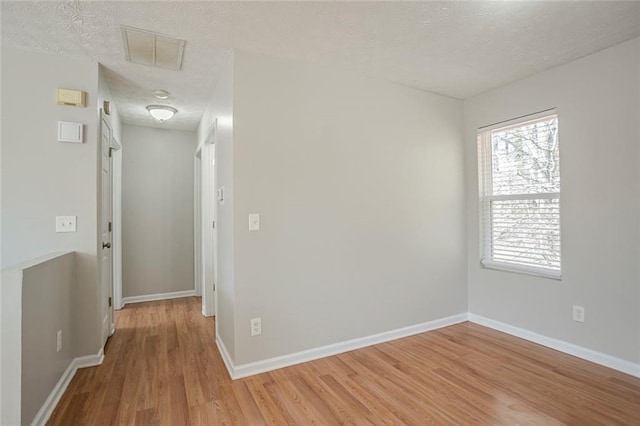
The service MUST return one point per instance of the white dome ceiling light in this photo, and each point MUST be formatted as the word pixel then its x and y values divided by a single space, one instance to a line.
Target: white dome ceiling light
pixel 161 113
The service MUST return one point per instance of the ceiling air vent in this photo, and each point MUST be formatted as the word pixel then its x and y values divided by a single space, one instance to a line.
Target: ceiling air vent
pixel 152 49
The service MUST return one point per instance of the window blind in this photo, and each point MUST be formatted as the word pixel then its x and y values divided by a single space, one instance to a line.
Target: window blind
pixel 520 196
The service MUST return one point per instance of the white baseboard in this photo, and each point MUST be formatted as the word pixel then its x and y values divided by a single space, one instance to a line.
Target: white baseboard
pixel 89 360
pixel 158 296
pixel 225 355
pixel 245 370
pixel 622 365
pixel 52 400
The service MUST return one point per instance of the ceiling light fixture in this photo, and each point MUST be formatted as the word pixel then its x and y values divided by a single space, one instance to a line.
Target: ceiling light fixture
pixel 161 94
pixel 161 113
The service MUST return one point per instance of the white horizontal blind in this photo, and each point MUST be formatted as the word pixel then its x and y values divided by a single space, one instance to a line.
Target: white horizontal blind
pixel 520 196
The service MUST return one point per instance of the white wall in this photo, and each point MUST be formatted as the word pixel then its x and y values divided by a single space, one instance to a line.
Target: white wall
pixel 42 178
pixel 597 99
pixel 157 210
pixel 10 346
pixel 360 188
pixel 221 107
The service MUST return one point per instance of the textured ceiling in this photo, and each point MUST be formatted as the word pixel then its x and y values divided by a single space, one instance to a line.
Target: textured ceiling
pixel 457 49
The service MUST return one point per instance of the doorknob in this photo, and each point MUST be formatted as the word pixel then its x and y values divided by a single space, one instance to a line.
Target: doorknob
pixel 106 245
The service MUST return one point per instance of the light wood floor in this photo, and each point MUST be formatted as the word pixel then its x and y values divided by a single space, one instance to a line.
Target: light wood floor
pixel 162 367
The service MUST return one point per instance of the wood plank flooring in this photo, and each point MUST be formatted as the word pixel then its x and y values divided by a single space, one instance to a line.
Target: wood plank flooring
pixel 162 368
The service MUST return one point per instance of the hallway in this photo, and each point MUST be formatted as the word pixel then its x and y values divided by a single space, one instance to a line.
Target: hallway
pixel 161 361
pixel 161 367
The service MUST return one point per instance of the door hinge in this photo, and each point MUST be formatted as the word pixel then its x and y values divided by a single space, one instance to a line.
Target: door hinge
pixel 214 287
pixel 109 226
pixel 214 224
pixel 109 301
pixel 110 152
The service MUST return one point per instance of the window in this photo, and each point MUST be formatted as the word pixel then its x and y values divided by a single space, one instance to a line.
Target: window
pixel 520 195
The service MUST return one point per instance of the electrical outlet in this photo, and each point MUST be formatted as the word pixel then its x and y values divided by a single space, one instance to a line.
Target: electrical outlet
pixel 59 341
pixel 256 327
pixel 578 313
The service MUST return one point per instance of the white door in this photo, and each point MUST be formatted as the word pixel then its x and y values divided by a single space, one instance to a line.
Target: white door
pixel 205 216
pixel 197 228
pixel 106 279
pixel 208 227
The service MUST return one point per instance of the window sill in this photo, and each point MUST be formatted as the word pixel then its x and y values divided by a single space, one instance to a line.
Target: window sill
pixel 519 269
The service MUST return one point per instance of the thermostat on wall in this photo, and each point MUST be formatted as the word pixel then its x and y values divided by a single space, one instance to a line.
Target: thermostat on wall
pixel 69 132
pixel 71 97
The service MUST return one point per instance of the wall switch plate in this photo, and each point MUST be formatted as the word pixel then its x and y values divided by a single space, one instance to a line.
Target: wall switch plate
pixel 70 132
pixel 59 341
pixel 254 222
pixel 65 223
pixel 578 313
pixel 256 327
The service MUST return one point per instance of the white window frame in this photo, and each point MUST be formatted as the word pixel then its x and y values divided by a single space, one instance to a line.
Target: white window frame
pixel 485 183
